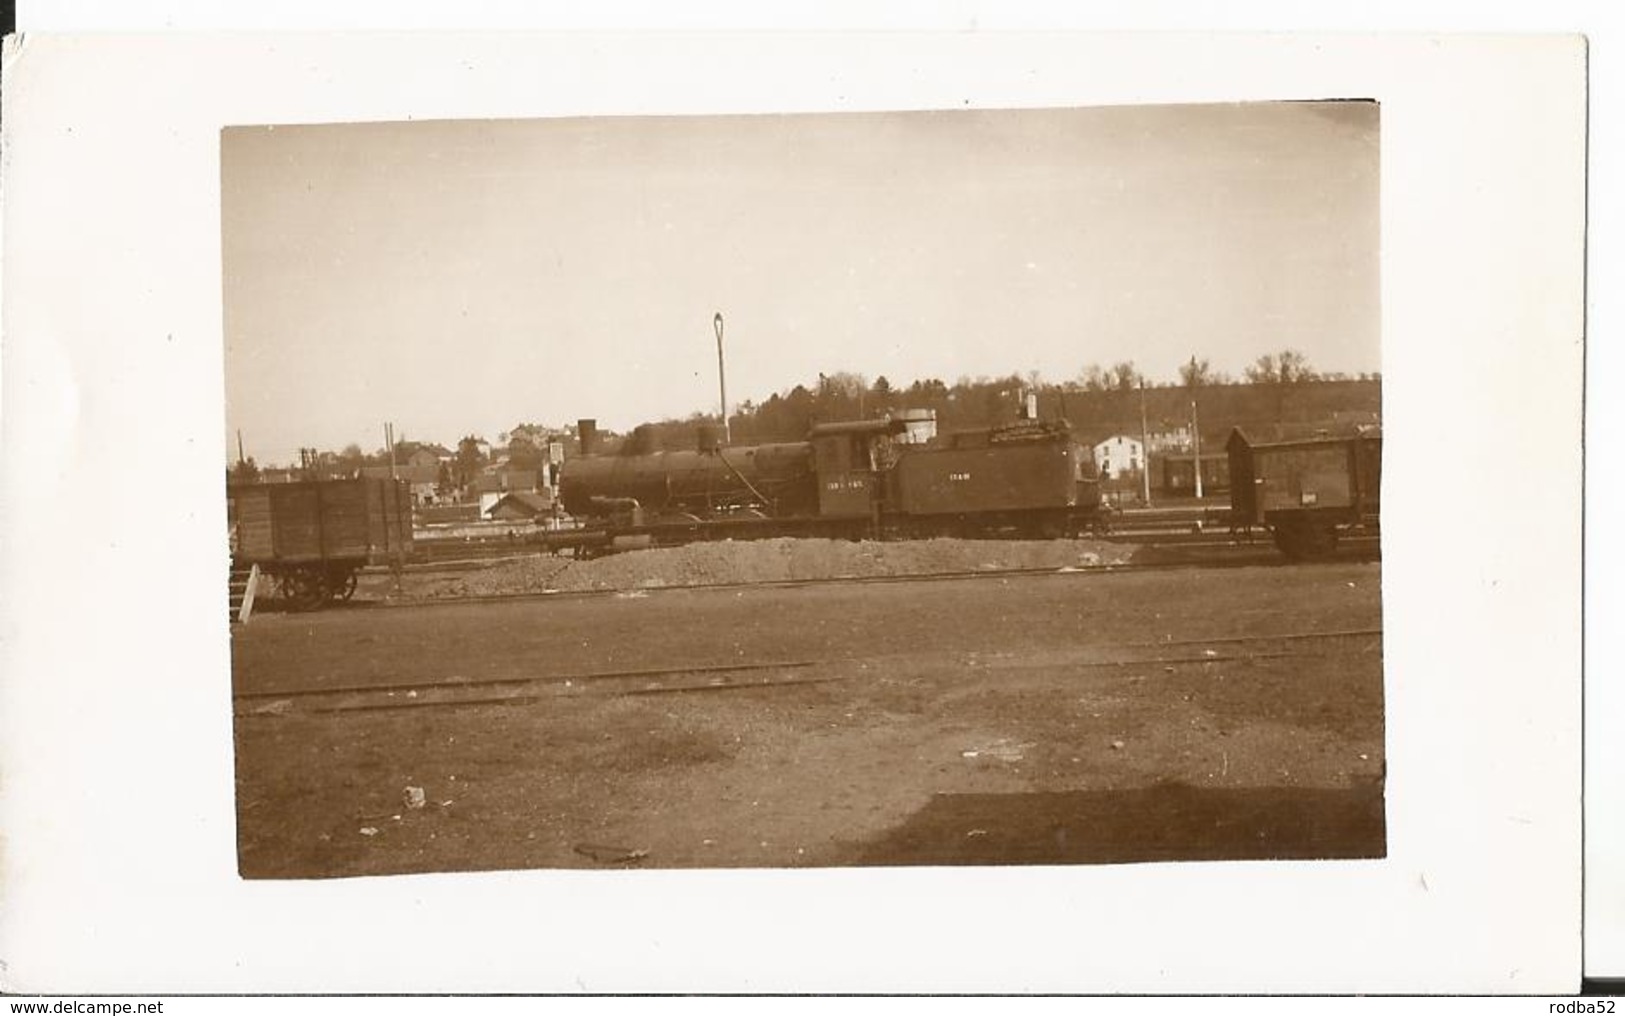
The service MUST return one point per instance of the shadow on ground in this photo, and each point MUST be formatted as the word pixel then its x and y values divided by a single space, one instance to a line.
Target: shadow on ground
pixel 1165 822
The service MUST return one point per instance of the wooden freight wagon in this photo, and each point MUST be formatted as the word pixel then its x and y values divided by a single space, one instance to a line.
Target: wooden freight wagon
pixel 315 536
pixel 1306 484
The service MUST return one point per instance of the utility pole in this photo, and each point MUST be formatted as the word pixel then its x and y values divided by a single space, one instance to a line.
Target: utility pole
pixel 1196 434
pixel 389 443
pixel 722 379
pixel 1196 446
pixel 240 446
pixel 1145 450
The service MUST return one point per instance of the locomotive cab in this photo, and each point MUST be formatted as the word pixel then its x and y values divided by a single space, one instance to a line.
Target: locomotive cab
pixel 849 458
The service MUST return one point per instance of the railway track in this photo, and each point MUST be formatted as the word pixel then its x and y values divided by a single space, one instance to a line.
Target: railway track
pixel 1170 655
pixel 1138 526
pixel 380 697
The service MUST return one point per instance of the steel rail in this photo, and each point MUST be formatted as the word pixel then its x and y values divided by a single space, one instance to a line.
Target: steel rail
pixel 606 675
pixel 990 664
pixel 530 699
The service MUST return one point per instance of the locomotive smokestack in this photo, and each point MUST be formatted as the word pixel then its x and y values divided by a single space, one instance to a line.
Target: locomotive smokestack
pixel 587 434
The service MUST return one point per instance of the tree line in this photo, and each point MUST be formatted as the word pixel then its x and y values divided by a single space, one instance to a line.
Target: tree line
pixel 1094 397
pixel 1097 397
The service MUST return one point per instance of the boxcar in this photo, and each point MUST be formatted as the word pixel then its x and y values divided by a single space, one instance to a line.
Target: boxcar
pixel 1306 484
pixel 313 537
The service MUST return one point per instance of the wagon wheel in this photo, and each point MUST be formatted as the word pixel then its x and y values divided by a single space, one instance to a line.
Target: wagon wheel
pixel 1289 540
pixel 303 589
pixel 341 583
pixel 1322 542
pixel 1305 541
pixel 1052 527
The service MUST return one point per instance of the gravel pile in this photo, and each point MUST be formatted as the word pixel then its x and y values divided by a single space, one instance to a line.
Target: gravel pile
pixel 729 562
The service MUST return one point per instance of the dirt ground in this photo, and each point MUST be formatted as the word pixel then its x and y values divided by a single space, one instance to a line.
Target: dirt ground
pixel 1068 718
pixel 734 562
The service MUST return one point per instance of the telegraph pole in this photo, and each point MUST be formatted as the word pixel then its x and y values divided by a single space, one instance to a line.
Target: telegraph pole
pixel 1196 434
pixel 1196 445
pixel 722 379
pixel 1145 450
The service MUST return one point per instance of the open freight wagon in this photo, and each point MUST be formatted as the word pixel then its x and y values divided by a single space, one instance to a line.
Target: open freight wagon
pixel 313 537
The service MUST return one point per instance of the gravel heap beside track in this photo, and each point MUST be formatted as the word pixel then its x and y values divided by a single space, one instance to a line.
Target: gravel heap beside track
pixel 782 560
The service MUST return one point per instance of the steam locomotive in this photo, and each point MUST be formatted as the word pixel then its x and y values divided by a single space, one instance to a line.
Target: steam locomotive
pixel 890 478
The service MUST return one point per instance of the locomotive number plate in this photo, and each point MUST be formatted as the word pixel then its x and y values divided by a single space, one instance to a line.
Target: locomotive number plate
pixel 958 477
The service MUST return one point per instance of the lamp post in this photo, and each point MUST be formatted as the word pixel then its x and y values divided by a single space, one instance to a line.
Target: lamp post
pixel 722 379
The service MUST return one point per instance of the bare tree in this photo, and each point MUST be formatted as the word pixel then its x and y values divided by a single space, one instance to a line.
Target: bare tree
pixel 1294 367
pixel 1286 367
pixel 1196 373
pixel 1263 370
pixel 1093 379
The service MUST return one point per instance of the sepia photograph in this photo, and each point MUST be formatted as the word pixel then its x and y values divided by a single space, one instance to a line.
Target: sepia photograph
pixel 806 490
pixel 751 512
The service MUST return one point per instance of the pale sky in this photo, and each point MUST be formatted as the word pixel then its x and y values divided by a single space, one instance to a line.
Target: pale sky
pixel 463 276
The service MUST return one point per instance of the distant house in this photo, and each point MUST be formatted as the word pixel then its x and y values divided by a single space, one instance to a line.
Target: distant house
pixel 1356 418
pixel 521 479
pixel 429 455
pixel 1172 439
pixel 1118 456
pixel 500 479
pixel 520 506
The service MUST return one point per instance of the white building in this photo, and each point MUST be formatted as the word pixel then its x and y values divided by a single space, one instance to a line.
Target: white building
pixel 1173 439
pixel 1119 455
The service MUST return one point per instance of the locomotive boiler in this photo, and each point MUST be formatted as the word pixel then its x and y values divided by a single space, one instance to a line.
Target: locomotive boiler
pixel 777 478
